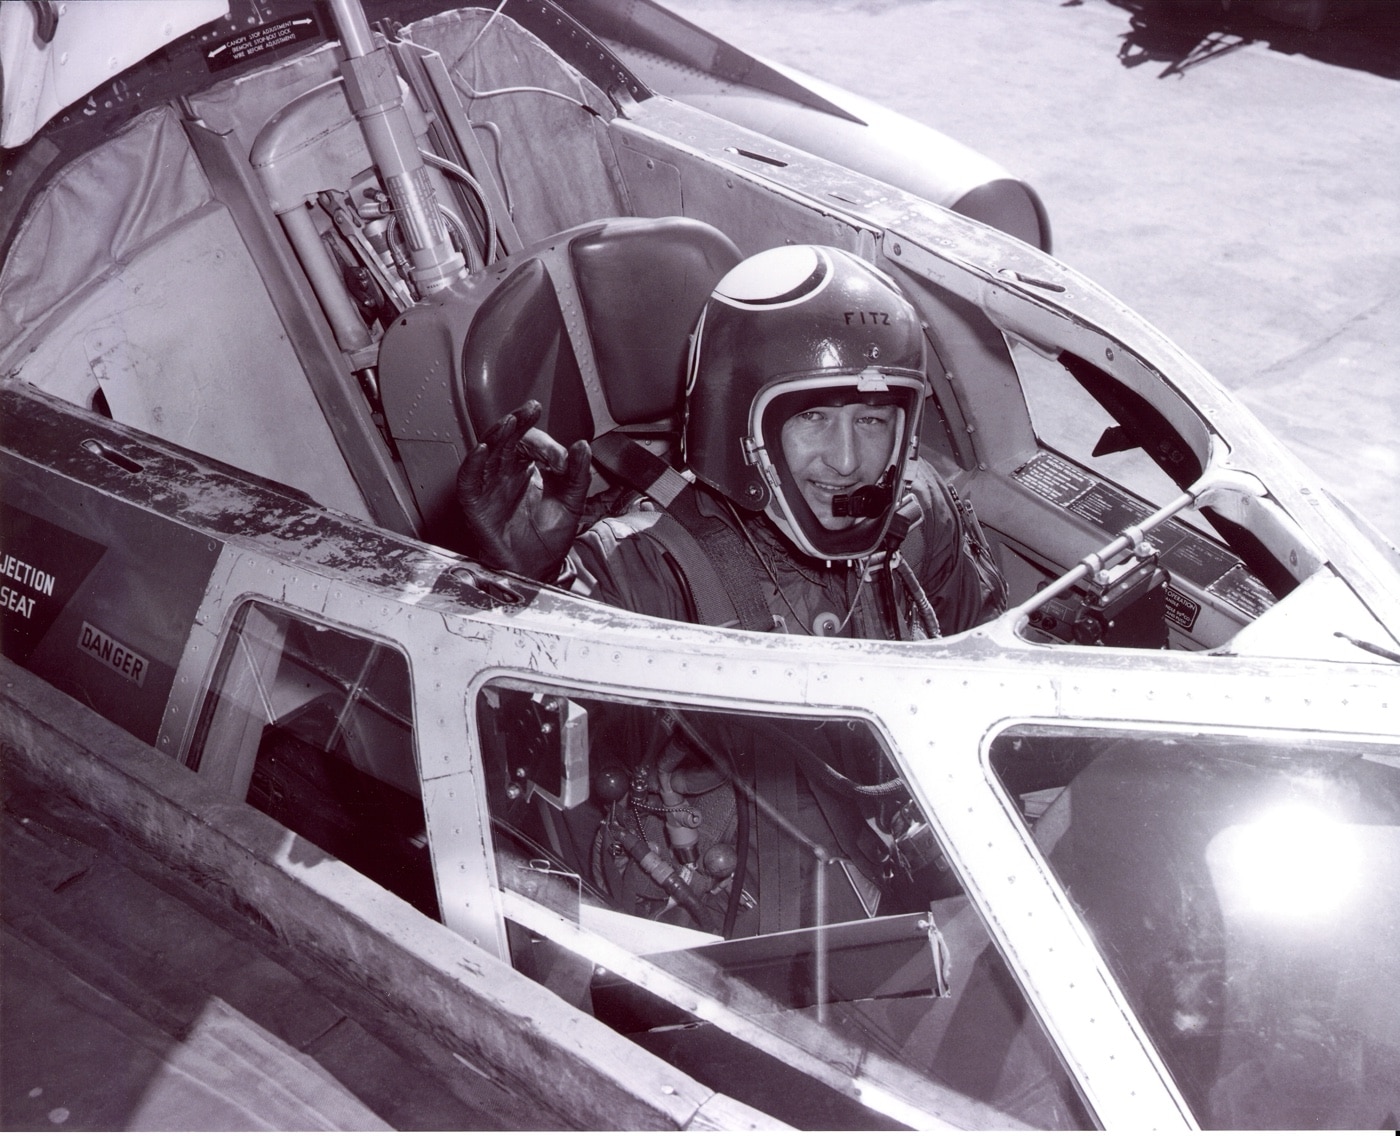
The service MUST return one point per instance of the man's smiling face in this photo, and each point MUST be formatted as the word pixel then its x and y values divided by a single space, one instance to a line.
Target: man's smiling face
pixel 833 450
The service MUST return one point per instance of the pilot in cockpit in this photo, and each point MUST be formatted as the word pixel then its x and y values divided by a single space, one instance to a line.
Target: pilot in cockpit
pixel 804 507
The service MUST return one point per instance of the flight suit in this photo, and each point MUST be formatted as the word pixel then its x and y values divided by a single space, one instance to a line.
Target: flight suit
pixel 619 562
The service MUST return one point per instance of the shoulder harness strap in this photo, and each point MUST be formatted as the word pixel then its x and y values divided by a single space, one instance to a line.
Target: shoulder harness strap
pixel 713 560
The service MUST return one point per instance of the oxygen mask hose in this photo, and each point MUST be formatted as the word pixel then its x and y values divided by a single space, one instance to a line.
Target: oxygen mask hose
pixel 666 877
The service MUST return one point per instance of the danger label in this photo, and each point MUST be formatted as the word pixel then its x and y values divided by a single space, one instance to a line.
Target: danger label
pixel 121 658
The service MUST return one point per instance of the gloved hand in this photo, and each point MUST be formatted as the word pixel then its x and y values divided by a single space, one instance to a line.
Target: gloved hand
pixel 521 495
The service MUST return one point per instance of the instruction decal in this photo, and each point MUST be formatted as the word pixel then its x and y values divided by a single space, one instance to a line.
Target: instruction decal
pixel 264 38
pixel 1182 609
pixel 41 568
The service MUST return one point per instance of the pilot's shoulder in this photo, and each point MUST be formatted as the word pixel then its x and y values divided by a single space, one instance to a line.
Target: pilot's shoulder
pixel 930 488
pixel 608 533
pixel 618 561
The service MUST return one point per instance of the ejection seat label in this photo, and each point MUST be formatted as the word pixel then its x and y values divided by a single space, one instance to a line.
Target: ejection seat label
pixel 41 567
pixel 118 656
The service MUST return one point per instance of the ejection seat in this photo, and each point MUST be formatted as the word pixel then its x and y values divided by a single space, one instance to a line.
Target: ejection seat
pixel 593 323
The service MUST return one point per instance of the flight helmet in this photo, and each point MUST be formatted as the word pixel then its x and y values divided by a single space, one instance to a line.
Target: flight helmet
pixel 784 331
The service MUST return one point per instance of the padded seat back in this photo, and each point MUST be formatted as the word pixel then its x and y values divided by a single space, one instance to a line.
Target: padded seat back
pixel 638 287
pixel 594 323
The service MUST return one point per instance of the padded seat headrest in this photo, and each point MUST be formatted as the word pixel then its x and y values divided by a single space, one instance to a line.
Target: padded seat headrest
pixel 640 286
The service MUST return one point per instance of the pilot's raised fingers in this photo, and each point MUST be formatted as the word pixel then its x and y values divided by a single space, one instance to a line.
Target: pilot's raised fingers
pixel 508 431
pixel 574 476
pixel 544 449
pixel 472 474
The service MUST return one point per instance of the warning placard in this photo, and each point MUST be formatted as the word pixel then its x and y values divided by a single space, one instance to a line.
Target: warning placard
pixel 97 644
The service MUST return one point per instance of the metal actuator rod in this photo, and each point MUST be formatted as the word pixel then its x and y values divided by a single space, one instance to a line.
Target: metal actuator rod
pixel 372 88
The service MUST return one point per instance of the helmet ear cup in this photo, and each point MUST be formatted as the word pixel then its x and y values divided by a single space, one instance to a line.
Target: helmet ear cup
pixel 800 318
pixel 721 387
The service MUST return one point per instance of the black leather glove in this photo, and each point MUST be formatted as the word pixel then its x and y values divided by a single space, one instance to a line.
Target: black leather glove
pixel 521 495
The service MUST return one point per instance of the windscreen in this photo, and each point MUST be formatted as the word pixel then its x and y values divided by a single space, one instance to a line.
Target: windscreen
pixel 1246 894
pixel 758 899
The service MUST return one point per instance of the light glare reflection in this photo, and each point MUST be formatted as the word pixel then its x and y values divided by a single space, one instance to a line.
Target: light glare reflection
pixel 1294 862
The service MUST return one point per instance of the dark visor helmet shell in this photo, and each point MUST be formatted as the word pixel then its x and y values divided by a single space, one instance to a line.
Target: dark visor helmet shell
pixel 784 331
